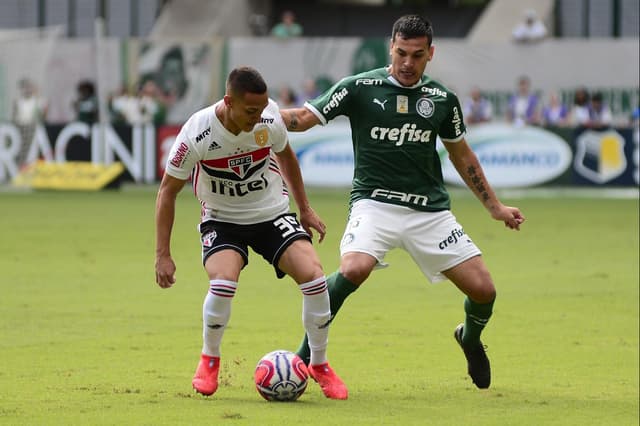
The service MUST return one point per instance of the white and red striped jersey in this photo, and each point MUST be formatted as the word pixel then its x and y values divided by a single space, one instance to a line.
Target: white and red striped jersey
pixel 235 177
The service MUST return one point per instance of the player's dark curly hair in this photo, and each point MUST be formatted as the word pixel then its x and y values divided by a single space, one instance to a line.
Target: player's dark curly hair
pixel 412 26
pixel 243 80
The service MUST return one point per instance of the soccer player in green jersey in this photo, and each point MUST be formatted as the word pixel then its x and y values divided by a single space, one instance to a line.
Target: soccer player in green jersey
pixel 398 198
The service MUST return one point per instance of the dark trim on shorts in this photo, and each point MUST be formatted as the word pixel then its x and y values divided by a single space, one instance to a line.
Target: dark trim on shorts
pixel 285 245
pixel 245 255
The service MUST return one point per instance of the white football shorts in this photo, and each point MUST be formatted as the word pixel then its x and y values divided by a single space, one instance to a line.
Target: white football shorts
pixel 435 240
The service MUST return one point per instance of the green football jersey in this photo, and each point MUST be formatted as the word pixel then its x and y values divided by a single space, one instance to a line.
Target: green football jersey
pixel 394 130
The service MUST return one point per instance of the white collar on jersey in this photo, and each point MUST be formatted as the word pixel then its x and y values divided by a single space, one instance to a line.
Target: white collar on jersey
pixel 397 83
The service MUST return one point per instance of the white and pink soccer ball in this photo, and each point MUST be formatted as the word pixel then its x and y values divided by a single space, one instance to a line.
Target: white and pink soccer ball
pixel 281 376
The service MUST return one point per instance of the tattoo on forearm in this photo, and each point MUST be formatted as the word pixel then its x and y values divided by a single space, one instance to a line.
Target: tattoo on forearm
pixel 293 122
pixel 477 183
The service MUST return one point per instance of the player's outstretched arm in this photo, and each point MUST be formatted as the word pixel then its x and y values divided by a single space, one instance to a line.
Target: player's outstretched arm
pixel 469 168
pixel 165 215
pixel 290 170
pixel 299 119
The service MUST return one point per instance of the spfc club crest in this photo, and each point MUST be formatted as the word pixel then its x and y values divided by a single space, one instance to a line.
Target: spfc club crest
pixel 237 167
pixel 208 238
pixel 240 165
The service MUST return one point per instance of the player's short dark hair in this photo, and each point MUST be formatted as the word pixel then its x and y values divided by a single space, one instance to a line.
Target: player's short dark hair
pixel 243 80
pixel 412 26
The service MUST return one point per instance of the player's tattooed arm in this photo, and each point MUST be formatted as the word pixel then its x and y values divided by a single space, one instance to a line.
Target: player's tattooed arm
pixel 470 170
pixel 466 163
pixel 293 121
pixel 298 119
pixel 478 182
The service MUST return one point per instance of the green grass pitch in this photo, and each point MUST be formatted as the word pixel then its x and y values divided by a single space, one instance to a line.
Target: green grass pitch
pixel 87 338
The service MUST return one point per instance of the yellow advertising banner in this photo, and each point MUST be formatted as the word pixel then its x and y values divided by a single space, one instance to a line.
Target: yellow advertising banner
pixel 70 175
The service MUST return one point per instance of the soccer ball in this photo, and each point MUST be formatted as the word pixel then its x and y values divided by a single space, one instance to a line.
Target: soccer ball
pixel 281 376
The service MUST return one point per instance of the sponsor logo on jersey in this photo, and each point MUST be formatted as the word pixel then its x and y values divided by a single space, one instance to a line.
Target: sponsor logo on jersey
pixel 425 107
pixel 457 121
pixel 180 154
pixel 434 91
pixel 214 145
pixel 261 136
pixel 238 189
pixel 402 104
pixel 369 81
pixel 409 132
pixel 204 134
pixel 335 100
pixel 376 101
pixel 266 120
pixel 455 236
pixel 418 200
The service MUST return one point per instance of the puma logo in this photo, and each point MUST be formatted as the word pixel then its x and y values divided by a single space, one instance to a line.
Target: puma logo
pixel 376 101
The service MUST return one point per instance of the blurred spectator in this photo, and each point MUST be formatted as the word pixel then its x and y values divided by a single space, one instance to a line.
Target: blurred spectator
pixel 476 108
pixel 287 27
pixel 523 105
pixel 554 112
pixel 147 107
pixel 258 24
pixel 123 106
pixel 309 90
pixel 29 108
pixel 579 113
pixel 86 103
pixel 531 30
pixel 150 106
pixel 599 112
pixel 287 98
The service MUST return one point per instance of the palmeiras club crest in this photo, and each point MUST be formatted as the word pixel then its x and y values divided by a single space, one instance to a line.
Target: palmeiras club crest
pixel 425 107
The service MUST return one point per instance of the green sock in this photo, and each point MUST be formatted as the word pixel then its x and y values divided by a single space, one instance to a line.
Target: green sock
pixel 339 288
pixel 477 316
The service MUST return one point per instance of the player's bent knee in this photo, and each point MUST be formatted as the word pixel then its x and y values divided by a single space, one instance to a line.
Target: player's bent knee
pixel 486 293
pixel 357 273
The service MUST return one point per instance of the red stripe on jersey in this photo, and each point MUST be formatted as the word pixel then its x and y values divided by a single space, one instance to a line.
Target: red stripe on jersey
pixel 195 174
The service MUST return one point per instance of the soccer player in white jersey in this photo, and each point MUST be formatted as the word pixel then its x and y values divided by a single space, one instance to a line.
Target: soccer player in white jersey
pixel 237 154
pixel 398 198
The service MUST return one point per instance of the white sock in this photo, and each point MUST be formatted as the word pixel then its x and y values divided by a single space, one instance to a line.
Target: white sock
pixel 316 313
pixel 216 311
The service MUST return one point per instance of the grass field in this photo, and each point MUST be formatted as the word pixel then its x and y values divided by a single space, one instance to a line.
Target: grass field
pixel 87 338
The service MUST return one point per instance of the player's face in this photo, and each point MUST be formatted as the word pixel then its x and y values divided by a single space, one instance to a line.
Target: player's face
pixel 409 58
pixel 245 110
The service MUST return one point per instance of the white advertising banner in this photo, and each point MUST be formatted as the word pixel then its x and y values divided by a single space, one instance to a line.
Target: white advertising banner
pixel 513 156
pixel 325 154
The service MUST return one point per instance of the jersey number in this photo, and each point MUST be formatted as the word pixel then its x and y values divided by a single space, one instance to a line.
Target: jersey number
pixel 288 225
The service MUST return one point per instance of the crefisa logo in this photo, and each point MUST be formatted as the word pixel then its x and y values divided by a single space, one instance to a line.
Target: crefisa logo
pixel 513 156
